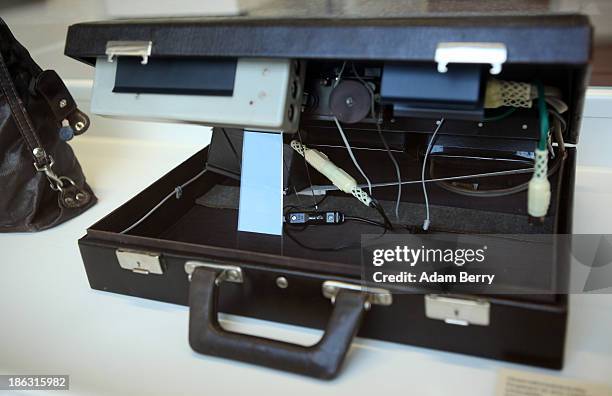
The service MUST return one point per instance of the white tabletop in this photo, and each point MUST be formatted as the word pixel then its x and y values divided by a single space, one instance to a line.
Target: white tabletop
pixel 53 323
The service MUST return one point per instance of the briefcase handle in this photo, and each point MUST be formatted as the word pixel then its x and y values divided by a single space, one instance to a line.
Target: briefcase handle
pixel 322 360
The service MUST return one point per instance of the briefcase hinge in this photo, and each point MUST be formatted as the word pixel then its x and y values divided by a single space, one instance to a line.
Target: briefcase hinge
pixel 457 310
pixel 494 54
pixel 376 296
pixel 129 48
pixel 144 263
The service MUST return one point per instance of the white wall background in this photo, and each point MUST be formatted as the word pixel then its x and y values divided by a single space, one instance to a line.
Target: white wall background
pixel 41 25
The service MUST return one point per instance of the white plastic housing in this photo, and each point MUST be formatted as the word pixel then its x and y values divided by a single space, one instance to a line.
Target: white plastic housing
pixel 336 175
pixel 538 193
pixel 262 98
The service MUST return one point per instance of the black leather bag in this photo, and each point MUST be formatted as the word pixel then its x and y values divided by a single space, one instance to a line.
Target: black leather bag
pixel 41 181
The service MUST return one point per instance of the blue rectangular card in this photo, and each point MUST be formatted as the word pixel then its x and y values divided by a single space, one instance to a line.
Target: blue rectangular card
pixel 261 183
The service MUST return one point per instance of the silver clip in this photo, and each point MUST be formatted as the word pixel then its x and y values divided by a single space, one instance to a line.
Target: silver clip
pixel 458 310
pixel 375 296
pixel 70 194
pixel 143 263
pixel 495 54
pixel 55 181
pixel 129 48
pixel 226 273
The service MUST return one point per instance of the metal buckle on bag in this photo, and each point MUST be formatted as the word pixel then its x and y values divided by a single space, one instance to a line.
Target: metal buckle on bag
pixel 70 195
pixel 55 180
pixel 376 296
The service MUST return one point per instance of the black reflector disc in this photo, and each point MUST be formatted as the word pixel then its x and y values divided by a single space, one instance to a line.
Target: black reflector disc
pixel 350 101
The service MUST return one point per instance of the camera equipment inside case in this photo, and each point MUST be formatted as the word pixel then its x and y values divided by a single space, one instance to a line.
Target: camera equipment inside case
pixel 379 127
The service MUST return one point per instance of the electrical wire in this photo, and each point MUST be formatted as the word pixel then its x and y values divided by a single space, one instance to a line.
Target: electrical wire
pixel 384 141
pixel 544 121
pixel 501 192
pixel 397 171
pixel 557 165
pixel 559 126
pixel 342 134
pixel 367 86
pixel 350 151
pixel 558 131
pixel 289 234
pixel 449 178
pixel 339 76
pixel 307 171
pixel 463 177
pixel 387 223
pixel 501 116
pixel 475 157
pixel 301 207
pixel 363 220
pixel 559 117
pixel 178 191
pixel 559 191
pixel 232 147
pixel 427 220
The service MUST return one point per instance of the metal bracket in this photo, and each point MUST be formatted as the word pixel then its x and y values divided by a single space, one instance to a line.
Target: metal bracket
pixel 461 311
pixel 129 48
pixel 494 54
pixel 376 296
pixel 227 273
pixel 140 262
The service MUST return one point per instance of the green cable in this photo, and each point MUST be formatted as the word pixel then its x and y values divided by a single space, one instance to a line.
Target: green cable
pixel 501 116
pixel 544 122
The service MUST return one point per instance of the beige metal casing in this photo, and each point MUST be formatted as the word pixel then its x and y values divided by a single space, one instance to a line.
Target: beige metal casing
pixel 267 97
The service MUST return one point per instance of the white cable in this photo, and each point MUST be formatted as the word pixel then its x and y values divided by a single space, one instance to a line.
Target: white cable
pixel 314 201
pixel 462 177
pixel 397 172
pixel 177 193
pixel 320 188
pixel 384 141
pixel 350 151
pixel 427 220
pixel 339 76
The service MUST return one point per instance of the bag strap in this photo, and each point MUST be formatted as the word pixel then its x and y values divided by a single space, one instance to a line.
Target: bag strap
pixel 52 89
pixel 24 124
pixel 43 162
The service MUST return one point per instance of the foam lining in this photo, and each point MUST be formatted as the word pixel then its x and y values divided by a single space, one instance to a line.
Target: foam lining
pixel 444 218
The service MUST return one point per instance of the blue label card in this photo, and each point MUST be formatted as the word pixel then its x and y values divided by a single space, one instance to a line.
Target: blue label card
pixel 261 183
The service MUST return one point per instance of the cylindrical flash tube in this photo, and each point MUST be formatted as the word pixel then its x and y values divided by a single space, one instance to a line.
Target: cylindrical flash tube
pixel 337 176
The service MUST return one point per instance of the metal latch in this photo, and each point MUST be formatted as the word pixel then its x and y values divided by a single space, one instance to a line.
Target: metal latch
pixel 376 296
pixel 129 48
pixel 227 273
pixel 495 54
pixel 140 262
pixel 457 310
